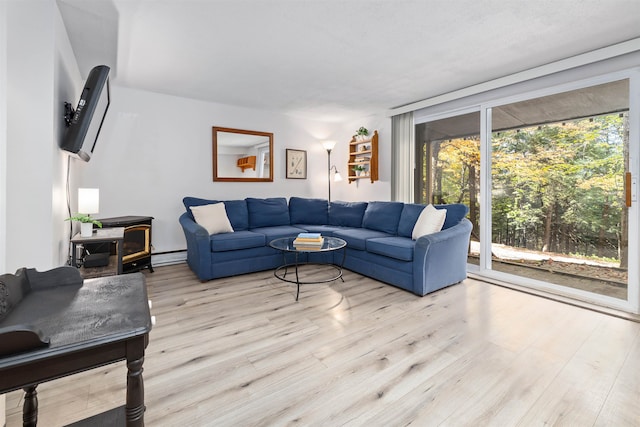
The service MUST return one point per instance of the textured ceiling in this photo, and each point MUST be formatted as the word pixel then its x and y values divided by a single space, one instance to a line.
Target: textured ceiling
pixel 333 60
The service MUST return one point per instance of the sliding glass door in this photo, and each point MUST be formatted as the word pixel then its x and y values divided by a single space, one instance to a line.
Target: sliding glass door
pixel 558 208
pixel 556 190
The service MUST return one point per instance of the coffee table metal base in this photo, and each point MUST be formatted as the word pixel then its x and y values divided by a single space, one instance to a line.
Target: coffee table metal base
pixel 287 245
pixel 281 273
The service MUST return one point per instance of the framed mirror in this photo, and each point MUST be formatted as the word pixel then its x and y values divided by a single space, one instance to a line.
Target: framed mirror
pixel 242 155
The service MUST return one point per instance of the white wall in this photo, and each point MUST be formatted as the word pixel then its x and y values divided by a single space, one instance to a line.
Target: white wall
pixel 38 60
pixel 3 159
pixel 29 134
pixel 67 85
pixel 3 142
pixel 155 149
pixel 362 189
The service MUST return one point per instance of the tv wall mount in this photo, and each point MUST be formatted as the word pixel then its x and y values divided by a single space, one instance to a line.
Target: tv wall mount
pixel 69 112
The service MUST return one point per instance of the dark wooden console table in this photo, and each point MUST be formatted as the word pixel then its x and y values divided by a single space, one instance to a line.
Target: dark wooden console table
pixel 87 324
pixel 108 235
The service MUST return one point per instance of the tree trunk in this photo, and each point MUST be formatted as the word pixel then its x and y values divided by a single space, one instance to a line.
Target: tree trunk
pixel 436 194
pixel 604 222
pixel 547 229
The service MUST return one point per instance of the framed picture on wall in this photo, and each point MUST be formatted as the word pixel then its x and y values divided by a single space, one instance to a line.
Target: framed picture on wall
pixel 296 164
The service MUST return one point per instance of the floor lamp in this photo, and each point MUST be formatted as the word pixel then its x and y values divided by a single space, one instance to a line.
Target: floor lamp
pixel 328 145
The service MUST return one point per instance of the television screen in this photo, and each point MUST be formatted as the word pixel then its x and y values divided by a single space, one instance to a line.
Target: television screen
pixel 84 123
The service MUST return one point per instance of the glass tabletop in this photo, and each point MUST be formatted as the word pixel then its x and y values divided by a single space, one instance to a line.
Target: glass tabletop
pixel 328 244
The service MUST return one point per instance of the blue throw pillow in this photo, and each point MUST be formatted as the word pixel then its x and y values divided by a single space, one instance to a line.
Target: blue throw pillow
pixel 236 210
pixel 268 212
pixel 308 211
pixel 346 214
pixel 382 216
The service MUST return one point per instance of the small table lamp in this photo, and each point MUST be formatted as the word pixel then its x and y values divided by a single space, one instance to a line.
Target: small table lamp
pixel 88 203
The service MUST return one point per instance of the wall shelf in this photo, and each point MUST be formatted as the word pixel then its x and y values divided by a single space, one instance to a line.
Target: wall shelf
pixel 247 162
pixel 364 153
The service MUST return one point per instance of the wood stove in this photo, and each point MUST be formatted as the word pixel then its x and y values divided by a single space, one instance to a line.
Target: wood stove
pixel 136 253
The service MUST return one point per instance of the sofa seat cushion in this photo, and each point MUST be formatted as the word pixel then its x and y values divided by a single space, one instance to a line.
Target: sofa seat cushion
pixel 267 212
pixel 278 232
pixel 356 237
pixel 238 240
pixel 395 247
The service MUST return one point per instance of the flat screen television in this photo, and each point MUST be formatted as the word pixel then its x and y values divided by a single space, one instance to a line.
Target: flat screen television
pixel 84 123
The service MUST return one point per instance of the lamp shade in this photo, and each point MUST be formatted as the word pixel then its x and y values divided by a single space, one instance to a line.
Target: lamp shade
pixel 337 177
pixel 328 145
pixel 88 200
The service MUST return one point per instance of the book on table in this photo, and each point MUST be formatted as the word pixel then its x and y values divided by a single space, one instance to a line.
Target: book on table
pixel 308 241
pixel 309 238
pixel 318 243
pixel 310 235
pixel 307 248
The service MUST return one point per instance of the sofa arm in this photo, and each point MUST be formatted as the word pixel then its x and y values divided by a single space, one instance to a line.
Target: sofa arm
pixel 440 259
pixel 198 247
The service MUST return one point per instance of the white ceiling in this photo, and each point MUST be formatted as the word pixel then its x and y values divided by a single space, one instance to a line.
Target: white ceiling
pixel 333 60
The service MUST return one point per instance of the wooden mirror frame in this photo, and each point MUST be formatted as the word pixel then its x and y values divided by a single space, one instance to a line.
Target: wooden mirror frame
pixel 216 137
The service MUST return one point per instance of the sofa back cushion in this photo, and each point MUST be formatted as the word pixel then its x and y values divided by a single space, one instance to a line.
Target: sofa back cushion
pixel 268 212
pixel 346 214
pixel 382 216
pixel 411 212
pixel 308 211
pixel 455 213
pixel 408 218
pixel 237 211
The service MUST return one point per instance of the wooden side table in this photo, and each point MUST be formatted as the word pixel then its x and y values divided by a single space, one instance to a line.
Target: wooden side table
pixel 115 234
pixel 87 324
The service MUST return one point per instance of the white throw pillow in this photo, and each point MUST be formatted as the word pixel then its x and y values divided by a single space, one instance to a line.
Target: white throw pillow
pixel 213 217
pixel 430 221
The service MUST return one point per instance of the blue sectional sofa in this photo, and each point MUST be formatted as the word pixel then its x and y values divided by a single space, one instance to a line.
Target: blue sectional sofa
pixel 378 235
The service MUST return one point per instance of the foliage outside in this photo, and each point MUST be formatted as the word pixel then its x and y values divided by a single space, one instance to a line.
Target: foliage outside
pixel 556 187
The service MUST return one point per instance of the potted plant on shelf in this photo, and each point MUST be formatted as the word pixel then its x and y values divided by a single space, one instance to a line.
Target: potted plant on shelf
pixel 359 170
pixel 361 134
pixel 86 224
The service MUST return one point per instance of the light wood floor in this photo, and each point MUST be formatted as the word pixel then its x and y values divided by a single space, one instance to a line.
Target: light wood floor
pixel 242 352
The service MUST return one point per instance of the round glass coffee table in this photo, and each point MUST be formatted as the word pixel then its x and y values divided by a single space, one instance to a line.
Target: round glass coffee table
pixel 285 245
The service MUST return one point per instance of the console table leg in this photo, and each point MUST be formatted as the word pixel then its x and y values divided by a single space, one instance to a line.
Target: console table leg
pixel 30 407
pixel 135 393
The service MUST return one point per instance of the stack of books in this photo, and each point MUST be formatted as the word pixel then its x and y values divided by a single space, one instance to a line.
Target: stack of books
pixel 308 241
